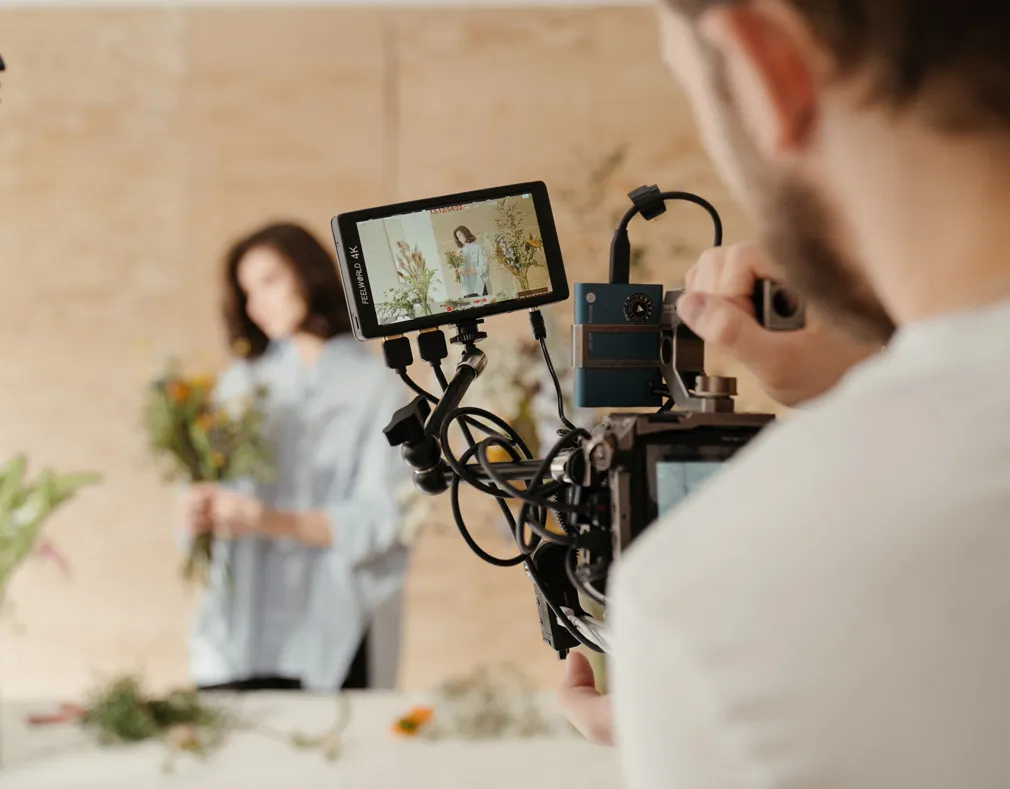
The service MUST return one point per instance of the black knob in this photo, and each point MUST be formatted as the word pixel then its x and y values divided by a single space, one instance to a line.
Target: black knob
pixel 433 481
pixel 423 454
pixel 407 424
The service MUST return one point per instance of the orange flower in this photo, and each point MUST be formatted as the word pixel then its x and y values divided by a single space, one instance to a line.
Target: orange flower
pixel 411 723
pixel 178 391
pixel 205 421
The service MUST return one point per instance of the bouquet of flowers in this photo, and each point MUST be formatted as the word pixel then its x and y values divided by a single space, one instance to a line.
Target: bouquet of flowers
pixel 454 258
pixel 24 508
pixel 204 441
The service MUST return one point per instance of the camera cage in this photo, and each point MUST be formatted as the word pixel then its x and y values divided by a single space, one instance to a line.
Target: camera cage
pixel 583 480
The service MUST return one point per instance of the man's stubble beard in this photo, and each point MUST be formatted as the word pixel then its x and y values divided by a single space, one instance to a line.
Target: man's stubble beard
pixel 797 229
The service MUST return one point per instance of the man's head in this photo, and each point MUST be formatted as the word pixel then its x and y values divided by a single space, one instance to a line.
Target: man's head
pixel 797 100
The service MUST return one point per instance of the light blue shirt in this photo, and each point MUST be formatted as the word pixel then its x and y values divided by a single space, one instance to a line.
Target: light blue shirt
pixel 280 607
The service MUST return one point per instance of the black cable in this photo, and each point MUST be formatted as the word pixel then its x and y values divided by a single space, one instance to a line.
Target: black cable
pixel 488 467
pixel 563 618
pixel 513 443
pixel 457 515
pixel 523 519
pixel 539 328
pixel 405 377
pixel 557 386
pixel 620 251
pixel 440 376
pixel 458 467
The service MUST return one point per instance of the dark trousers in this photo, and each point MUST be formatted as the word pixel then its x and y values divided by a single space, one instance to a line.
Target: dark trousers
pixel 356 679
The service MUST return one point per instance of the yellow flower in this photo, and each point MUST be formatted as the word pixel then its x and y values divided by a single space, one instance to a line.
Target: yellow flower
pixel 202 381
pixel 217 459
pixel 241 348
pixel 178 391
pixel 411 723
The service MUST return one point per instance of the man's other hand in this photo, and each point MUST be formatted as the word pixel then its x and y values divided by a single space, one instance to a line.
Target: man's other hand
pixel 792 366
pixel 586 710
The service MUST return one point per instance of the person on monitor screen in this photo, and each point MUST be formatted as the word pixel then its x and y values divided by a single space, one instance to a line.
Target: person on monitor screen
pixel 308 560
pixel 830 609
pixel 475 276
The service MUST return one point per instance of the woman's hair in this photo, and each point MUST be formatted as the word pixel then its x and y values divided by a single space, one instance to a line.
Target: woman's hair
pixel 315 271
pixel 466 234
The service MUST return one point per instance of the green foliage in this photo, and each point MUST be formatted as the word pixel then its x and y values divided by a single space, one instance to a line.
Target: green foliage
pixel 397 303
pixel 122 713
pixel 515 250
pixel 25 506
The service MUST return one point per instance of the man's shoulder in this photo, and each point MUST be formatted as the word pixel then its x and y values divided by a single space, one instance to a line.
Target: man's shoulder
pixel 864 464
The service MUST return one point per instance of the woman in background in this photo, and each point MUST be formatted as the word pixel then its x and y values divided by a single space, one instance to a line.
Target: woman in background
pixel 475 276
pixel 305 561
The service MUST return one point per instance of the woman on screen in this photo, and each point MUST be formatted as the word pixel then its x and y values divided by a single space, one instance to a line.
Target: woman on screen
pixel 475 275
pixel 306 561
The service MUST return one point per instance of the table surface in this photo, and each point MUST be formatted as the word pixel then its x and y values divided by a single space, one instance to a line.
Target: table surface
pixel 372 757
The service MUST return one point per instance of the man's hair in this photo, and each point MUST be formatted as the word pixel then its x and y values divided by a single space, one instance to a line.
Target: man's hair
pixel 954 55
pixel 318 281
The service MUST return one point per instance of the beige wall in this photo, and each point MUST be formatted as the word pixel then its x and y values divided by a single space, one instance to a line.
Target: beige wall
pixel 135 143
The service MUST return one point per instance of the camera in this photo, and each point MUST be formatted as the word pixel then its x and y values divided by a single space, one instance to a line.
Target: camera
pixel 573 511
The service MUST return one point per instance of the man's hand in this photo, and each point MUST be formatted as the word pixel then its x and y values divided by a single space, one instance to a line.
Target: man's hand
pixel 790 366
pixel 586 710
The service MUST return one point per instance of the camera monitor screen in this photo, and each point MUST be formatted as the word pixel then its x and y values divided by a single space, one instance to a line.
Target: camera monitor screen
pixel 444 260
pixel 676 470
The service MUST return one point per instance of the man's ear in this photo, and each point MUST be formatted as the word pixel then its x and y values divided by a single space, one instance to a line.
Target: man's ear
pixel 770 70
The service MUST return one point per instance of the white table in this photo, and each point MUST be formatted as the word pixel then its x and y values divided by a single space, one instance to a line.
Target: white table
pixel 63 757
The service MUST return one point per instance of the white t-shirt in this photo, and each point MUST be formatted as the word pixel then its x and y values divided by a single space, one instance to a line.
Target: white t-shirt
pixel 832 611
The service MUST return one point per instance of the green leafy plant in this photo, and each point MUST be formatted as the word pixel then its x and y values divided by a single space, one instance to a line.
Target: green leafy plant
pixel 25 506
pixel 516 250
pixel 121 713
pixel 397 303
pixel 204 441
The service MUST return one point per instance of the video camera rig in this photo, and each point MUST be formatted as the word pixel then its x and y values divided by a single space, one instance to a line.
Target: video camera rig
pixel 603 486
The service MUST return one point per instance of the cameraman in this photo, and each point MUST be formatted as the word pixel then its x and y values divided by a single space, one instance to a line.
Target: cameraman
pixel 833 610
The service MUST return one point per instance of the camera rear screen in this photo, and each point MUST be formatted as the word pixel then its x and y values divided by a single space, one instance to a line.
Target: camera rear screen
pixel 676 480
pixel 454 258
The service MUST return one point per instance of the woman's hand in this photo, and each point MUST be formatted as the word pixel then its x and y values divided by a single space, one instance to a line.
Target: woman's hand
pixel 235 514
pixel 585 708
pixel 195 514
pixel 790 366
